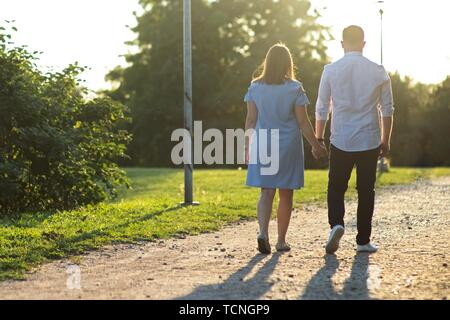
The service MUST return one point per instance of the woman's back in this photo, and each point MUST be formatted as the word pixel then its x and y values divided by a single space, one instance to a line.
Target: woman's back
pixel 275 104
pixel 274 152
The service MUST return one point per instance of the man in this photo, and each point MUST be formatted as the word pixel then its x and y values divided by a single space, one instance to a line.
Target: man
pixel 355 90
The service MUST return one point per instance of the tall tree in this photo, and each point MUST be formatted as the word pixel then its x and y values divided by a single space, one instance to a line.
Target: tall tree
pixel 230 39
pixel 436 122
pixel 411 103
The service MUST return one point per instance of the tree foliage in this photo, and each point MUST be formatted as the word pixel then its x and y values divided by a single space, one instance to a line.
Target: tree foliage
pixel 421 123
pixel 57 148
pixel 230 39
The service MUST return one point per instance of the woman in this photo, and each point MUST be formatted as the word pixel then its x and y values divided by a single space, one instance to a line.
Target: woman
pixel 277 101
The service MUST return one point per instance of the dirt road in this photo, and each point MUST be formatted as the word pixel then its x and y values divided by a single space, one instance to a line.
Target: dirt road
pixel 412 227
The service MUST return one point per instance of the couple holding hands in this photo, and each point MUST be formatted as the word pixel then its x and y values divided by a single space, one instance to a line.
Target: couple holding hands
pixel 358 94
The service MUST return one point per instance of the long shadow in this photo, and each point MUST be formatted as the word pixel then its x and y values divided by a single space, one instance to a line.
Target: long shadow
pixel 235 287
pixel 355 287
pixel 321 287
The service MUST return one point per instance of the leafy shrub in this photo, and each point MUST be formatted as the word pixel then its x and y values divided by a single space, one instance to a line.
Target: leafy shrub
pixel 58 149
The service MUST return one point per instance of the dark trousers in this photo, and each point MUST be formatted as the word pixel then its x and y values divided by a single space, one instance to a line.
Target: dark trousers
pixel 341 167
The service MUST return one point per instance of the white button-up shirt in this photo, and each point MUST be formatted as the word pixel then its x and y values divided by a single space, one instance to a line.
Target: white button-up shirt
pixel 355 90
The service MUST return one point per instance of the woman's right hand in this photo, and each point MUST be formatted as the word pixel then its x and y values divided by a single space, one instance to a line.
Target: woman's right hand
pixel 319 151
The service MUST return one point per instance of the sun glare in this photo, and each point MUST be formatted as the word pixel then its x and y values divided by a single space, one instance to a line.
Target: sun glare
pixel 412 33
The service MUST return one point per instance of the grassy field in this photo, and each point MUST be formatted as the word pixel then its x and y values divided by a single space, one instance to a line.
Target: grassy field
pixel 150 211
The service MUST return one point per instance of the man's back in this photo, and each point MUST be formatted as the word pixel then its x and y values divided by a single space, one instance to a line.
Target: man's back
pixel 353 89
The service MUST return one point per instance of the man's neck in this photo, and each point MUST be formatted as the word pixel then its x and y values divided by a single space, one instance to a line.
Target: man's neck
pixel 353 52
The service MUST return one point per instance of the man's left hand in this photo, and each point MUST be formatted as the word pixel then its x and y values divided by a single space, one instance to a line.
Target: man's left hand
pixel 385 149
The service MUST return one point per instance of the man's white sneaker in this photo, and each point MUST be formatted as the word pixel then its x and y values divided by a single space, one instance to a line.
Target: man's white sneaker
pixel 370 248
pixel 335 237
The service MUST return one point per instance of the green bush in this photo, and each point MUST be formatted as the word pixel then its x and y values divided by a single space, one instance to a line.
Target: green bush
pixel 58 149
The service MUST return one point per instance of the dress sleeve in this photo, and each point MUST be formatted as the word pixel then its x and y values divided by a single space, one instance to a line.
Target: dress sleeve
pixel 302 99
pixel 249 95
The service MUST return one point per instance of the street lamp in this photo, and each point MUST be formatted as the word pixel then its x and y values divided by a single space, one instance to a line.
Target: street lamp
pixel 187 98
pixel 383 165
pixel 381 27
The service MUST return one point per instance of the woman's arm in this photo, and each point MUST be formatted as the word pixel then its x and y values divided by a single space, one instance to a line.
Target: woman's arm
pixel 319 151
pixel 250 124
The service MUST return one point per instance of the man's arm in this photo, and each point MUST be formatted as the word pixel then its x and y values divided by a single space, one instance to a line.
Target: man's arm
pixel 386 135
pixel 387 117
pixel 320 129
pixel 318 150
pixel 323 106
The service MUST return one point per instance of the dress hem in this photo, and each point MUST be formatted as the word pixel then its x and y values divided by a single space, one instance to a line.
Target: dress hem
pixel 274 187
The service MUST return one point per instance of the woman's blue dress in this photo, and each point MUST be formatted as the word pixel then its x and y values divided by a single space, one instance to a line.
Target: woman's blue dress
pixel 276 110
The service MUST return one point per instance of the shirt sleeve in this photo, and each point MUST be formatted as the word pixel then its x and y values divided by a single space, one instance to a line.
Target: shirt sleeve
pixel 323 105
pixel 302 99
pixel 386 98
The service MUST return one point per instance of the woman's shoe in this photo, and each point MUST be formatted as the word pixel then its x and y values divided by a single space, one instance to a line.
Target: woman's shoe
pixel 283 247
pixel 264 246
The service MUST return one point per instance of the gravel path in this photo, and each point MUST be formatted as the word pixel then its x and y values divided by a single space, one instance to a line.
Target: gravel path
pixel 412 227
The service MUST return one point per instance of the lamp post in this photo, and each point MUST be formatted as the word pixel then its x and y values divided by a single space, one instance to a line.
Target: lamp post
pixel 188 121
pixel 383 165
pixel 381 28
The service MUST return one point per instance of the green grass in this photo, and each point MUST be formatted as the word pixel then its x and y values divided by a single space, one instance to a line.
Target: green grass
pixel 150 211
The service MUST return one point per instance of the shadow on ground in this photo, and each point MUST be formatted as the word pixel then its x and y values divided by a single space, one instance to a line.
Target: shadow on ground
pixel 236 286
pixel 321 286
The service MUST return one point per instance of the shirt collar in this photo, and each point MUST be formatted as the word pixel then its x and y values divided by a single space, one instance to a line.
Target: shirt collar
pixel 354 53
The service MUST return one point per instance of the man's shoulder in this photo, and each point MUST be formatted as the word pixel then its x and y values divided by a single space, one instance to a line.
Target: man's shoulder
pixel 369 65
pixel 377 69
pixel 373 64
pixel 330 67
pixel 360 59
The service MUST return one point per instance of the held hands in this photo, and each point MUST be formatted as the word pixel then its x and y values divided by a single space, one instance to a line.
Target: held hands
pixel 319 150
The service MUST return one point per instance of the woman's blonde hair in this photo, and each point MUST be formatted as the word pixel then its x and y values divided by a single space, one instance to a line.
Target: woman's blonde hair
pixel 277 67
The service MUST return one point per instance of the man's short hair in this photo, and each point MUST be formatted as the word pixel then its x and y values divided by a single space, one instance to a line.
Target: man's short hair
pixel 353 35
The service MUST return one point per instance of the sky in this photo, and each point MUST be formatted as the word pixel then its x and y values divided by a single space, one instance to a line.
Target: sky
pixel 415 37
pixel 415 40
pixel 92 32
